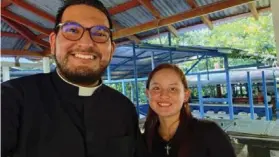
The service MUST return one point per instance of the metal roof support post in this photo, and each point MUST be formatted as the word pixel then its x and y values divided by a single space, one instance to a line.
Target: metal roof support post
pixel 207 69
pixel 169 38
pixel 46 64
pixel 200 96
pixel 250 95
pixel 171 58
pixel 136 77
pixel 6 73
pixel 276 96
pixel 123 88
pixel 265 97
pixel 152 60
pixel 132 92
pixel 229 88
pixel 108 74
pixel 275 16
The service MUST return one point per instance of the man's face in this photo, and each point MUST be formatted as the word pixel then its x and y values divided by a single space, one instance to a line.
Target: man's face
pixel 82 61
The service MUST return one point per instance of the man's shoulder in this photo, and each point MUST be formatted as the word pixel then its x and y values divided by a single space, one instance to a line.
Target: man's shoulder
pixel 26 80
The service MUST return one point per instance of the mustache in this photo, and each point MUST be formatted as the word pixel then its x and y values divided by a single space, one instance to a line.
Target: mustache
pixel 90 50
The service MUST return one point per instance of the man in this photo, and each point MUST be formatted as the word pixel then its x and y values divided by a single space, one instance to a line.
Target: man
pixel 70 112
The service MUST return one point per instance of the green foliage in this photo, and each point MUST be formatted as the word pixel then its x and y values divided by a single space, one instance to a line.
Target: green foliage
pixel 245 34
pixel 254 36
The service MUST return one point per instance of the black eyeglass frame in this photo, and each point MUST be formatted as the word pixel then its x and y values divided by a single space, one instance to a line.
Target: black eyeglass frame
pixel 60 25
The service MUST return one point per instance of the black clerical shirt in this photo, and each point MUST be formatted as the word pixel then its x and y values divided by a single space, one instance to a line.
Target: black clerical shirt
pixel 43 116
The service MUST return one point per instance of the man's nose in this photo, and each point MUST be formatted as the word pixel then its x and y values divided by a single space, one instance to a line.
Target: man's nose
pixel 86 39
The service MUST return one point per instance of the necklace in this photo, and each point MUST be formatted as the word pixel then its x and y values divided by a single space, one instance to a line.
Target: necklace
pixel 168 147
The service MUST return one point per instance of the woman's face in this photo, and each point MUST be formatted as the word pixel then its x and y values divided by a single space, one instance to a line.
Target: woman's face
pixel 166 93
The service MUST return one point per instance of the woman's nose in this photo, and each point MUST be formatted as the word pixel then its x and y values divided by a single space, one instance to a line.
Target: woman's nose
pixel 164 94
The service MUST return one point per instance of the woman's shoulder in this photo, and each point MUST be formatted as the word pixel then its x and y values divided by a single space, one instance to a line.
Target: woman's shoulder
pixel 203 123
pixel 207 127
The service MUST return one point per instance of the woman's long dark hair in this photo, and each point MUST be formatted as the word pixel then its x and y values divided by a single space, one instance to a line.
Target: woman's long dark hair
pixel 152 117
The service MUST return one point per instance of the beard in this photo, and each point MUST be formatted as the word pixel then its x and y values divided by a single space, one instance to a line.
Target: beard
pixel 81 75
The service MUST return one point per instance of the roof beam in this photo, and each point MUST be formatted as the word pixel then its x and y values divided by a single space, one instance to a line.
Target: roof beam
pixel 9 34
pixel 41 36
pixel 5 3
pixel 27 45
pixel 23 53
pixel 179 17
pixel 205 19
pixel 148 5
pixel 253 8
pixel 200 25
pixel 123 7
pixel 33 9
pixel 132 37
pixel 25 32
pixel 25 22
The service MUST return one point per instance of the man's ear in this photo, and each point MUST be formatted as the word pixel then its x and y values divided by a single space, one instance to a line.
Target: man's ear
pixel 52 40
pixel 113 46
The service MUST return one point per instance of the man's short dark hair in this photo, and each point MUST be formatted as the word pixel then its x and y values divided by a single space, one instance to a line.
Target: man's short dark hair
pixel 93 3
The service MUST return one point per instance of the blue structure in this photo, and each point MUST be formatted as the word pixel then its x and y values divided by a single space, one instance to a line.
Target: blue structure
pixel 251 103
pixel 133 64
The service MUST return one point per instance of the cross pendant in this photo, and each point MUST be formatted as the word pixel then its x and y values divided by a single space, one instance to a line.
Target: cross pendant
pixel 168 149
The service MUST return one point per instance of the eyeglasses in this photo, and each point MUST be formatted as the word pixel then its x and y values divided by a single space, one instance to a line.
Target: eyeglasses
pixel 74 31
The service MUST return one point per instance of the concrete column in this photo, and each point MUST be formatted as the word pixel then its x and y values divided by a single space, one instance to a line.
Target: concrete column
pixel 6 73
pixel 46 65
pixel 275 17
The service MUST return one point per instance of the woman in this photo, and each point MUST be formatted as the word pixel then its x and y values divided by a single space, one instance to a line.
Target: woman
pixel 170 129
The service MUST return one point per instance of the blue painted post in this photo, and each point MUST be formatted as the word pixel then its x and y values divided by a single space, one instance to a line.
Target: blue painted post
pixel 171 57
pixel 229 88
pixel 207 70
pixel 123 88
pixel 108 73
pixel 152 60
pixel 250 95
pixel 136 77
pixel 276 95
pixel 169 38
pixel 200 96
pixel 132 92
pixel 265 96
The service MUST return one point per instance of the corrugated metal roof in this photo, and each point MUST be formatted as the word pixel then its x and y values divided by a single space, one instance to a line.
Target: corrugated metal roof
pixel 32 17
pixel 35 48
pixel 112 3
pixel 133 17
pixel 12 43
pixel 6 28
pixel 49 6
pixel 128 18
pixel 169 8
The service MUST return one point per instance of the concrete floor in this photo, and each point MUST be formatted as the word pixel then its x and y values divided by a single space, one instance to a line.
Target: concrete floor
pixel 242 151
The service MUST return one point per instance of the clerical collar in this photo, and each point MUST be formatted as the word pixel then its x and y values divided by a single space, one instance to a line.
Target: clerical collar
pixel 82 91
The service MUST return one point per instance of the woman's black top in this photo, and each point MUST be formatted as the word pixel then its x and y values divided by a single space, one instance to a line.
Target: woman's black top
pixel 193 138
